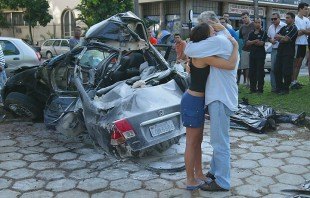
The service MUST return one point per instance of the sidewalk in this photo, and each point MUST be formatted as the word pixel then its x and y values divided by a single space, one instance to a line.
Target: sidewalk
pixel 35 162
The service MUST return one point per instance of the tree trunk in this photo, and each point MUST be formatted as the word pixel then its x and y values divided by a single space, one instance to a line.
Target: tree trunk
pixel 30 33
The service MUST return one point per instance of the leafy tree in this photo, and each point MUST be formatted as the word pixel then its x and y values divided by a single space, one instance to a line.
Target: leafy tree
pixel 3 22
pixel 95 11
pixel 35 11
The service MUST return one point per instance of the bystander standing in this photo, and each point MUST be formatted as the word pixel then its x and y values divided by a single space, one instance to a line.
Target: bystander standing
pixel 230 30
pixel 244 32
pixel 76 39
pixel 152 39
pixel 179 48
pixel 285 55
pixel 274 28
pixel 226 17
pixel 256 41
pixel 303 24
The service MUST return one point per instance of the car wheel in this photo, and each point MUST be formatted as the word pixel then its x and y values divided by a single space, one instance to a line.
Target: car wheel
pixel 70 125
pixel 49 55
pixel 167 144
pixel 23 105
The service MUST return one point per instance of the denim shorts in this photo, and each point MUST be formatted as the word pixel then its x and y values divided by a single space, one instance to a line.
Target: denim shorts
pixel 192 110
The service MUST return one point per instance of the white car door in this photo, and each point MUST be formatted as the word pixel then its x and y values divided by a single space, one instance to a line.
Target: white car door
pixel 57 47
pixel 64 46
pixel 12 55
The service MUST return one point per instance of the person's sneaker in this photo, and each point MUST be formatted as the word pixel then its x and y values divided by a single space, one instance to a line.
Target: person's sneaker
pixel 295 86
pixel 210 175
pixel 284 92
pixel 252 91
pixel 212 186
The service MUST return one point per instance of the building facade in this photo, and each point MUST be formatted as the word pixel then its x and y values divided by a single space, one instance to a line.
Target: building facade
pixel 61 26
pixel 173 15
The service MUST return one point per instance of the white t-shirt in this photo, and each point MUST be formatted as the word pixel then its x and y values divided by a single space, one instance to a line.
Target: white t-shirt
pixel 229 26
pixel 302 24
pixel 272 31
pixel 221 84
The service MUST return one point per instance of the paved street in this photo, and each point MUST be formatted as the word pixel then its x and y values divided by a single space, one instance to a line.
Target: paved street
pixel 35 162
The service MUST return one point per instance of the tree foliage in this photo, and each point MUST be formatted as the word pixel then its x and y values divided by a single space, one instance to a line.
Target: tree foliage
pixel 95 11
pixel 35 11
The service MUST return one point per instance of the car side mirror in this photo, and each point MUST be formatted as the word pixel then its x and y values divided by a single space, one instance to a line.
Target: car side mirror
pixel 5 65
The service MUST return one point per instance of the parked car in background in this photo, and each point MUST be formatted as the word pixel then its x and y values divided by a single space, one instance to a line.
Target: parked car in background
pixel 268 49
pixel 18 54
pixel 54 47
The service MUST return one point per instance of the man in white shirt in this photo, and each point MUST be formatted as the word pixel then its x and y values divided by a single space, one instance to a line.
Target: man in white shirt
pixel 226 17
pixel 303 24
pixel 222 100
pixel 274 28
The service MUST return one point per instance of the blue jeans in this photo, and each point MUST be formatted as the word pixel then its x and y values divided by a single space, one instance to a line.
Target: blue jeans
pixel 219 139
pixel 3 79
pixel 272 76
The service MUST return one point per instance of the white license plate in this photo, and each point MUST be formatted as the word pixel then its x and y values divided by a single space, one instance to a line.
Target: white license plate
pixel 161 128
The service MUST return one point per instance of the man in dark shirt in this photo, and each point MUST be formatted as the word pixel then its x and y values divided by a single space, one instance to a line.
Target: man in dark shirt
pixel 244 31
pixel 256 41
pixel 285 57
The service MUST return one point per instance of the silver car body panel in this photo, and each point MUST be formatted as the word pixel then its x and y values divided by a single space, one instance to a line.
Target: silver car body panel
pixel 25 58
pixel 146 109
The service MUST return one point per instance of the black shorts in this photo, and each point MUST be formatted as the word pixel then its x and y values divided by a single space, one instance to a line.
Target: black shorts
pixel 300 51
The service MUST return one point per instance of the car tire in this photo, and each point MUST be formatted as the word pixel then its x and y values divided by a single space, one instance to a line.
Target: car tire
pixel 49 55
pixel 167 144
pixel 70 125
pixel 23 105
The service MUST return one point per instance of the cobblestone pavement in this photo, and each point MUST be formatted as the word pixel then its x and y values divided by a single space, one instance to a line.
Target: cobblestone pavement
pixel 36 162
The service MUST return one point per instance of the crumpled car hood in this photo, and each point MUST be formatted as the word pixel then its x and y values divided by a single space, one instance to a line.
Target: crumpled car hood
pixel 124 31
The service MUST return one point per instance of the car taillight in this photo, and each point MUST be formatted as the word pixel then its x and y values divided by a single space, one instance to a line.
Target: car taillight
pixel 122 131
pixel 38 56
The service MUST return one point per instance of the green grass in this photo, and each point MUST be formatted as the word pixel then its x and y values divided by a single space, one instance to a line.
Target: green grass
pixel 296 101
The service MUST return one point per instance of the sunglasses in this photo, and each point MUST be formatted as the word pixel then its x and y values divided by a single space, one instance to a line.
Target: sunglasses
pixel 274 19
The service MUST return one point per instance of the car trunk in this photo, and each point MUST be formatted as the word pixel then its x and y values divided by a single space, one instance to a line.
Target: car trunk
pixel 154 119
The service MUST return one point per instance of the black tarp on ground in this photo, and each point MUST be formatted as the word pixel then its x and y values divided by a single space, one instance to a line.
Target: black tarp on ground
pixel 262 118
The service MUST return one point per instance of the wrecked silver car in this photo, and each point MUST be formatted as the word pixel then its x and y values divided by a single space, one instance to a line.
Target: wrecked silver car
pixel 128 95
pixel 116 86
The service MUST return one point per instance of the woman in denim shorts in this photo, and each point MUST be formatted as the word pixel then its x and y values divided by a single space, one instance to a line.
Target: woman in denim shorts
pixel 193 103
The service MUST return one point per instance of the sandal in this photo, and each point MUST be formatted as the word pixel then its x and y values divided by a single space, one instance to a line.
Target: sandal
pixel 195 187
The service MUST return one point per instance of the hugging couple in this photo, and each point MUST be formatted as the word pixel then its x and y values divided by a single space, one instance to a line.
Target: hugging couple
pixel 213 68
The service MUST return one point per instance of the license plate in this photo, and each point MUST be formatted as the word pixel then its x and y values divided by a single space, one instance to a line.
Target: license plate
pixel 161 128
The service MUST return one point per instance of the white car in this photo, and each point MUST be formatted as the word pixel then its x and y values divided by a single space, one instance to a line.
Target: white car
pixel 54 47
pixel 268 48
pixel 18 54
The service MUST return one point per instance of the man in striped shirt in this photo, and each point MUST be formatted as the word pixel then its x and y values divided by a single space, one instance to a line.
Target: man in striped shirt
pixel 3 77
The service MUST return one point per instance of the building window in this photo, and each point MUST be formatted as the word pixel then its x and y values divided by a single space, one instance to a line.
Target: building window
pixel 172 7
pixel 18 18
pixel 68 23
pixel 202 5
pixel 14 18
pixel 150 9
